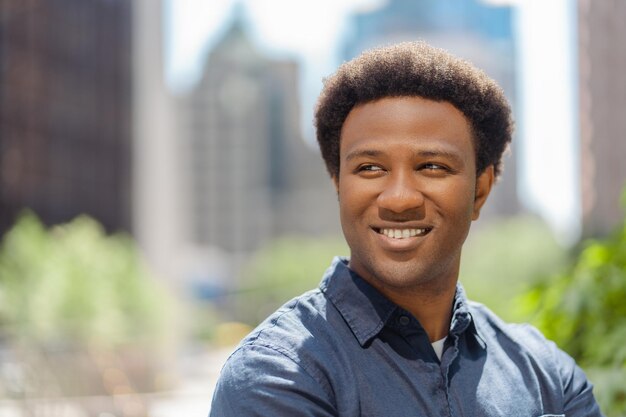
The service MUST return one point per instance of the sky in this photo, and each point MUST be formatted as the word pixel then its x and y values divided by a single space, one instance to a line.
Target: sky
pixel 311 32
pixel 304 30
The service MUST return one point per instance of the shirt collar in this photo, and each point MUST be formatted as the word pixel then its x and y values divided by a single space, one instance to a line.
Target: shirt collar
pixel 367 311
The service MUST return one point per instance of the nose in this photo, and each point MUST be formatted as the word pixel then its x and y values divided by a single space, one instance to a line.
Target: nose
pixel 401 194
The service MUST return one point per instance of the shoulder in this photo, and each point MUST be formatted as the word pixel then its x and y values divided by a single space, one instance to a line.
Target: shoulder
pixel 523 334
pixel 517 338
pixel 263 380
pixel 279 364
pixel 525 345
pixel 295 338
pixel 292 325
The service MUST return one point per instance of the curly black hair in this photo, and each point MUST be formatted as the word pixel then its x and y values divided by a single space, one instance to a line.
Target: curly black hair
pixel 415 69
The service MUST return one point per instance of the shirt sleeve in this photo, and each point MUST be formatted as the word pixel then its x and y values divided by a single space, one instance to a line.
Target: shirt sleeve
pixel 579 400
pixel 264 381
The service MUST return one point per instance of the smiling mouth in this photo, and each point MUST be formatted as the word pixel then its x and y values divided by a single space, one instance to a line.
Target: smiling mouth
pixel 402 233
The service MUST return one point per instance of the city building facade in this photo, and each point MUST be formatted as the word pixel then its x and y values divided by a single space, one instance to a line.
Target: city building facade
pixel 65 125
pixel 250 177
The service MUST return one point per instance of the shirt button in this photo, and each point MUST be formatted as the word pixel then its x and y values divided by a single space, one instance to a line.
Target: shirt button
pixel 404 320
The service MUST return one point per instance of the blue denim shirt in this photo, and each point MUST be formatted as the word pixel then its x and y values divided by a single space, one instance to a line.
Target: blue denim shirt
pixel 345 350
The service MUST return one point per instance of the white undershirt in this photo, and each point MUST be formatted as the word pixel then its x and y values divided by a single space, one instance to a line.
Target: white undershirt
pixel 438 346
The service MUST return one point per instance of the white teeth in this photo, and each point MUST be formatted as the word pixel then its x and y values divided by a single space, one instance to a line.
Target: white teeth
pixel 402 233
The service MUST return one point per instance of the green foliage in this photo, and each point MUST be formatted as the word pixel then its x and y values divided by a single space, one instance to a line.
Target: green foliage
pixel 504 258
pixel 586 305
pixel 73 284
pixel 285 268
pixel 583 310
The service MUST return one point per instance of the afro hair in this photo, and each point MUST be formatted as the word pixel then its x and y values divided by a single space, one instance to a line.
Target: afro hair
pixel 415 69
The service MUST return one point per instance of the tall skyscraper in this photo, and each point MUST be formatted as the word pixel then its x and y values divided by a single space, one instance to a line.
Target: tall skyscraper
pixel 248 167
pixel 64 110
pixel 239 122
pixel 471 29
pixel 602 89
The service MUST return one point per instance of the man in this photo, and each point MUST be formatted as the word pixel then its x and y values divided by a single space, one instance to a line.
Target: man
pixel 412 138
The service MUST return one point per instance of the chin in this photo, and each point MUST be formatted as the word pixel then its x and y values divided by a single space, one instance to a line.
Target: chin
pixel 411 275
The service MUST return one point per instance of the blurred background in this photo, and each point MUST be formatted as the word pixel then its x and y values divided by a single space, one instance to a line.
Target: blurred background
pixel 161 191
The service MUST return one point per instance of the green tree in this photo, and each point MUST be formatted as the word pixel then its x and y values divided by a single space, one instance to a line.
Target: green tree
pixel 75 305
pixel 74 285
pixel 583 310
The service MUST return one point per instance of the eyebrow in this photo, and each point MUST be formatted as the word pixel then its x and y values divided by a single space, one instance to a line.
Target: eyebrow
pixel 361 153
pixel 425 153
pixel 432 153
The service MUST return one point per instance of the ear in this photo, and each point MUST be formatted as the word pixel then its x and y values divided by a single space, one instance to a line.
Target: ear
pixel 484 182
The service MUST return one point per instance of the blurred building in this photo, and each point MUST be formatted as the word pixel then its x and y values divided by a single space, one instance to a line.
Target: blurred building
pixel 602 89
pixel 157 180
pixel 64 110
pixel 472 29
pixel 251 176
pixel 242 112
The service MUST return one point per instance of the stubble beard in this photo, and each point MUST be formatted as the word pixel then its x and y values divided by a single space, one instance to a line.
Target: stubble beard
pixel 411 277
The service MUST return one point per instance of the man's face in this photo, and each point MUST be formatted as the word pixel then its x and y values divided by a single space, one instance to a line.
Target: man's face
pixel 408 191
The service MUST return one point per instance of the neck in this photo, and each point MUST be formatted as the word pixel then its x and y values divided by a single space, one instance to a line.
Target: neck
pixel 432 310
pixel 429 299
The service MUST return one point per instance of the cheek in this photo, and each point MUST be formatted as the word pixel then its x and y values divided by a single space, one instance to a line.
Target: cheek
pixel 355 203
pixel 458 200
pixel 350 204
pixel 353 195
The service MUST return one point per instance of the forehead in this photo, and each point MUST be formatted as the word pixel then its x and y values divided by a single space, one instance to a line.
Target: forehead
pixel 417 121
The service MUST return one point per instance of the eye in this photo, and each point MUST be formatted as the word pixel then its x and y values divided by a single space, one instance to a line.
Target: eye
pixel 435 169
pixel 369 170
pixel 368 167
